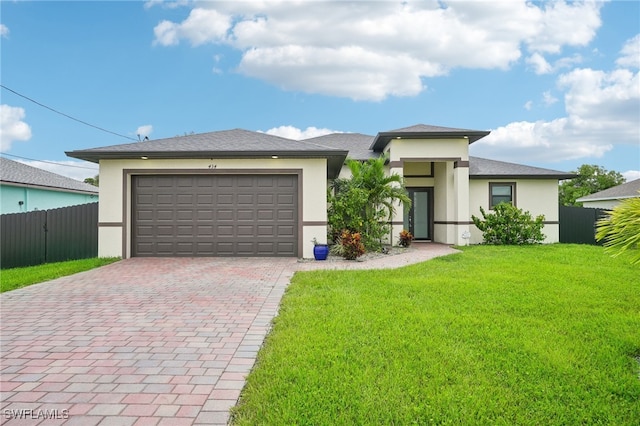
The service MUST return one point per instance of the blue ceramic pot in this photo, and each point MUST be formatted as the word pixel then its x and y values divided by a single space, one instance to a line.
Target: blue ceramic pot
pixel 320 251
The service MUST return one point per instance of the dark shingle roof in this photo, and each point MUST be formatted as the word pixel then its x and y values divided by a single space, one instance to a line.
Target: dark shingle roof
pixel 13 172
pixel 626 190
pixel 356 143
pixel 236 143
pixel 425 131
pixel 492 169
pixel 230 141
pixel 334 147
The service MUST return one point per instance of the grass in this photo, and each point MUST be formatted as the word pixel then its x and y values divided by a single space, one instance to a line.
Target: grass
pixel 495 335
pixel 14 278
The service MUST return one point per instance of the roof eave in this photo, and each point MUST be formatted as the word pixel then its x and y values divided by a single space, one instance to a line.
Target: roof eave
pixel 620 197
pixel 382 139
pixel 335 158
pixel 49 188
pixel 96 156
pixel 515 176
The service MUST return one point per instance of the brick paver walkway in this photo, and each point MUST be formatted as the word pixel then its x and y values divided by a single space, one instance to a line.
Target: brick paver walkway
pixel 144 341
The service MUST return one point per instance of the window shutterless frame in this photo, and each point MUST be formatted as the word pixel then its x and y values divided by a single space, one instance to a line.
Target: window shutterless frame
pixel 502 192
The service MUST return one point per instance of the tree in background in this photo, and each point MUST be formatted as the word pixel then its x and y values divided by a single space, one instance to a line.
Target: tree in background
pixel 620 229
pixel 95 181
pixel 590 179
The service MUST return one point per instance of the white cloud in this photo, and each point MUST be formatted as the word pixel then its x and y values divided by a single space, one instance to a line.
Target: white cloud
pixel 202 26
pixel 12 128
pixel 372 50
pixel 294 133
pixel 145 130
pixel 4 30
pixel 631 175
pixel 548 98
pixel 167 4
pixel 539 64
pixel 630 54
pixel 602 109
pixel 78 170
pixel 528 105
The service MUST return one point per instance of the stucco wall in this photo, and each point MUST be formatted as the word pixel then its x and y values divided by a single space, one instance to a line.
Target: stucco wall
pixel 428 148
pixel 602 204
pixel 537 196
pixel 39 199
pixel 114 214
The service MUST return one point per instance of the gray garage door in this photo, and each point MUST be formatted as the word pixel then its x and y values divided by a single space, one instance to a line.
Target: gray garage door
pixel 215 215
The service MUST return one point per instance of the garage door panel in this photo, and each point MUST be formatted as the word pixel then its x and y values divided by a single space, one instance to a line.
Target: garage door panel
pixel 205 200
pixel 265 199
pixel 223 215
pixel 246 215
pixel 246 248
pixel 185 215
pixel 286 230
pixel 215 215
pixel 245 230
pixel 224 231
pixel 165 215
pixel 224 199
pixel 265 214
pixel 184 200
pixel 244 199
pixel 286 215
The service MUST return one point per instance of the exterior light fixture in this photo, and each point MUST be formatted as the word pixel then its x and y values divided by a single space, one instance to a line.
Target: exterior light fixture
pixel 144 158
pixel 274 157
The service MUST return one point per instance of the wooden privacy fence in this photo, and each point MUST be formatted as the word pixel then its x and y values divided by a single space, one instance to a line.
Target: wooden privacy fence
pixel 45 236
pixel 578 224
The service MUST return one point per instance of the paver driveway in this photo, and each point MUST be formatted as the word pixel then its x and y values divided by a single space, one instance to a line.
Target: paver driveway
pixel 141 341
pixel 146 341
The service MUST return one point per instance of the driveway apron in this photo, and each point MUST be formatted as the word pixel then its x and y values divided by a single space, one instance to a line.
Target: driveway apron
pixel 141 341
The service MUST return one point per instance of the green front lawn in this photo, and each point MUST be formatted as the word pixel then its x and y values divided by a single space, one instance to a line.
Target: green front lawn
pixel 11 279
pixel 537 335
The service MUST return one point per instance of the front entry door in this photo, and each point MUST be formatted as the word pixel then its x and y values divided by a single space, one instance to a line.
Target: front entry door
pixel 419 218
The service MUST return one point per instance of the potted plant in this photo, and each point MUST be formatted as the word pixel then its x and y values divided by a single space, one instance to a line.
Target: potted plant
pixel 320 250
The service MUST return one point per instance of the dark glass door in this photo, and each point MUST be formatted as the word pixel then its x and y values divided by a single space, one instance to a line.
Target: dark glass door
pixel 419 218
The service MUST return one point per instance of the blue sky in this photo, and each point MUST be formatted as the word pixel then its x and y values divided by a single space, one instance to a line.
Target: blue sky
pixel 557 83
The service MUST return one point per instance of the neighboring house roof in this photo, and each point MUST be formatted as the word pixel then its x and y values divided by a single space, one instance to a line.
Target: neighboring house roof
pixel 482 168
pixel 15 173
pixel 424 131
pixel 356 143
pixel 626 190
pixel 236 143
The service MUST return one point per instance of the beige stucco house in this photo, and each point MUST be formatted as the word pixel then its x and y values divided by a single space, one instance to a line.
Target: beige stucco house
pixel 243 193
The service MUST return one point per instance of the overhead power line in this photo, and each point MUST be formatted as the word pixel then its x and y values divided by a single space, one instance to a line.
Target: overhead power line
pixel 66 115
pixel 48 162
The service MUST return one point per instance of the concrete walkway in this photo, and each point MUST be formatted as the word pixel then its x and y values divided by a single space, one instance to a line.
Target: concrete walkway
pixel 146 341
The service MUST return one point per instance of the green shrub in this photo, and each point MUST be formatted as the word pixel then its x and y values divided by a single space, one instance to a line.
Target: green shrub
pixel 509 225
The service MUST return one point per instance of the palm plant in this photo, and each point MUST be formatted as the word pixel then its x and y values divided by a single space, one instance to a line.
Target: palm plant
pixel 371 196
pixel 620 229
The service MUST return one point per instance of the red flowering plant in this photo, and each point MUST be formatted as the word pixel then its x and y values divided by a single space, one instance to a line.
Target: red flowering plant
pixel 406 238
pixel 352 247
